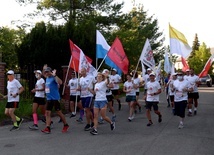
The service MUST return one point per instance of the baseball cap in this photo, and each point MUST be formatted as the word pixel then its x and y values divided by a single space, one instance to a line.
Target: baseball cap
pixel 152 73
pixel 114 70
pixel 149 69
pixel 48 69
pixel 38 71
pixel 10 72
pixel 105 70
pixel 174 74
pixel 187 70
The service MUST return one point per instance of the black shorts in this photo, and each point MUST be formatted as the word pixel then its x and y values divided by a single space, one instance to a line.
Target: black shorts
pixel 194 95
pixel 53 103
pixel 39 100
pixel 171 98
pixel 137 93
pixel 73 98
pixel 109 98
pixel 115 92
pixel 180 108
pixel 150 104
pixel 12 105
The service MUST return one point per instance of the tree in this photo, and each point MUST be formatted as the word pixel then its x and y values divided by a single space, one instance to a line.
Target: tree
pixel 199 60
pixel 9 39
pixel 195 46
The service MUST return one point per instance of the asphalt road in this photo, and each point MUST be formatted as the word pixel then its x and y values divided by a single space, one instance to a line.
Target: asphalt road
pixel 135 138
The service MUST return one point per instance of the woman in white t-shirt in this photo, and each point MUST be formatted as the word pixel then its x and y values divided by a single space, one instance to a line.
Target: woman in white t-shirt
pixel 39 99
pixel 100 103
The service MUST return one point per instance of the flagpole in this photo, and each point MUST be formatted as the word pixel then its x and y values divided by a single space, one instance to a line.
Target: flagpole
pixel 75 108
pixel 101 62
pixel 66 76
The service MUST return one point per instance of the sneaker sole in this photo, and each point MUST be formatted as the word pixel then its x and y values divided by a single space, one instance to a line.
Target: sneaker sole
pixel 46 132
pixel 33 128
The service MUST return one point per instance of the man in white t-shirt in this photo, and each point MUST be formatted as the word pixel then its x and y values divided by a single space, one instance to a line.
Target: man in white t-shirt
pixel 115 79
pixel 146 79
pixel 152 98
pixel 194 95
pixel 14 89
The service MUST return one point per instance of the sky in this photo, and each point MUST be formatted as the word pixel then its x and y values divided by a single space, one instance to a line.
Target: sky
pixel 187 16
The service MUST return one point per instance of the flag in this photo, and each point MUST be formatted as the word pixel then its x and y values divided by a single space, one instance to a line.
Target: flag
pixel 167 64
pixel 118 56
pixel 79 60
pixel 158 72
pixel 185 65
pixel 207 66
pixel 143 70
pixel 178 43
pixel 146 56
pixel 102 49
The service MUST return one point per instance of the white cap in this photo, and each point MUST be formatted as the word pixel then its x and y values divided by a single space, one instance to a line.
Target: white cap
pixel 38 71
pixel 174 74
pixel 148 69
pixel 187 70
pixel 114 70
pixel 152 73
pixel 10 72
pixel 105 70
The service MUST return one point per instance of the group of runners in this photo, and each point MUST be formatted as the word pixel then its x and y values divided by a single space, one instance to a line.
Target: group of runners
pixel 94 96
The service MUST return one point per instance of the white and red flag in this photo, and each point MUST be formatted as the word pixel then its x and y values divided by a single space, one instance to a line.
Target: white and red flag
pixel 207 66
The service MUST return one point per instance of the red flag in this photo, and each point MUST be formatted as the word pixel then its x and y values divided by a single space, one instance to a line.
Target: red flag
pixel 185 65
pixel 118 56
pixel 75 52
pixel 206 68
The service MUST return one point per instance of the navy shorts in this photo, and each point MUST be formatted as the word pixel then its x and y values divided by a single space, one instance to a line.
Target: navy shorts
pixel 130 98
pixel 87 102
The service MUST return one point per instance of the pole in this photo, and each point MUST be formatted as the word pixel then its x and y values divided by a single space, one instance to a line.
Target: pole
pixel 63 91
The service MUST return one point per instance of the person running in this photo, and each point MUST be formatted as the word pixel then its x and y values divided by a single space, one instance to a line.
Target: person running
pixel 39 99
pixel 146 79
pixel 109 97
pixel 100 103
pixel 75 97
pixel 137 81
pixel 14 89
pixel 152 98
pixel 129 88
pixel 87 81
pixel 194 95
pixel 116 80
pixel 53 97
pixel 171 94
pixel 181 88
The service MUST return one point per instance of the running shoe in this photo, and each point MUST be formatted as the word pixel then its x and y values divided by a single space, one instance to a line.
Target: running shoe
pixel 150 123
pixel 94 132
pixel 20 122
pixel 159 118
pixel 101 121
pixel 65 128
pixel 46 130
pixel 113 119
pixel 34 127
pixel 130 119
pixel 87 127
pixel 80 120
pixel 92 124
pixel 195 112
pixel 112 126
pixel 72 115
pixel 181 126
pixel 14 128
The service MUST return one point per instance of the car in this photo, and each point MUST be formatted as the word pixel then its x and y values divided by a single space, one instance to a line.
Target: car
pixel 206 80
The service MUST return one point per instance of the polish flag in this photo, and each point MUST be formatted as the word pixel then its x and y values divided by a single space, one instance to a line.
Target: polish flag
pixel 185 65
pixel 207 66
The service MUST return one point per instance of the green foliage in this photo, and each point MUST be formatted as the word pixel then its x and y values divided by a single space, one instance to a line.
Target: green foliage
pixel 200 58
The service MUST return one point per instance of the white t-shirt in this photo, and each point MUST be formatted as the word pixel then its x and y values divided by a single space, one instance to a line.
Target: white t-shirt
pixel 129 86
pixel 170 88
pixel 13 88
pixel 100 89
pixel 113 79
pixel 146 79
pixel 137 82
pixel 85 83
pixel 40 85
pixel 73 85
pixel 152 87
pixel 192 80
pixel 181 95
